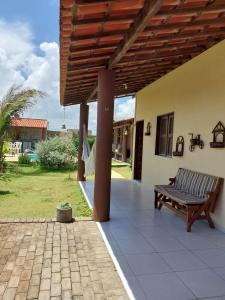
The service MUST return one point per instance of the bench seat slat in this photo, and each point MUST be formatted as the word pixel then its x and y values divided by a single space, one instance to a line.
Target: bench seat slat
pixel 195 183
pixel 178 196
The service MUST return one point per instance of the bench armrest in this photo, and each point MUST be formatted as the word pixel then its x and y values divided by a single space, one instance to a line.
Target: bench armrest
pixel 172 180
pixel 210 194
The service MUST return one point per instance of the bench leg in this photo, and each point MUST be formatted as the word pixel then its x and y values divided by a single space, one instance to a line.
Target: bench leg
pixel 190 218
pixel 156 199
pixel 209 219
pixel 195 213
pixel 161 202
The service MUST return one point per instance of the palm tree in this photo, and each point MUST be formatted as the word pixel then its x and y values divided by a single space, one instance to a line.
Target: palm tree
pixel 15 102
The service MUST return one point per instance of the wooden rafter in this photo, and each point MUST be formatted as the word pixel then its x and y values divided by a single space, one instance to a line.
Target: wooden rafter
pixel 123 35
pixel 149 10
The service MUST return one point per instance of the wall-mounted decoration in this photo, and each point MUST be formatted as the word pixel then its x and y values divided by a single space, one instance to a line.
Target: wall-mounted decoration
pixel 218 136
pixel 195 141
pixel 148 129
pixel 179 146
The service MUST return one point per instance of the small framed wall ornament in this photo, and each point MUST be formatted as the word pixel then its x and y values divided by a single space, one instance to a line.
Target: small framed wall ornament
pixel 218 136
pixel 148 129
pixel 179 146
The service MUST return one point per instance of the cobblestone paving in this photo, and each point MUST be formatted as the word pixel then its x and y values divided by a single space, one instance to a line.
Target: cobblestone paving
pixel 56 261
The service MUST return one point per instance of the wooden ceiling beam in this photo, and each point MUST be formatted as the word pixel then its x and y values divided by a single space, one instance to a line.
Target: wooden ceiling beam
pixel 143 70
pixel 72 67
pixel 90 57
pixel 185 25
pixel 114 59
pixel 97 35
pixel 149 10
pixel 151 56
pixel 83 71
pixel 140 64
pixel 176 36
pixel 92 47
pixel 192 10
pixel 178 11
pixel 111 19
pixel 92 2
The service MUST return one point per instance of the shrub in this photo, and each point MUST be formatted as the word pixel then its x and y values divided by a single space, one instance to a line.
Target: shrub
pixel 6 147
pixel 57 152
pixel 24 159
pixel 76 142
pixel 91 140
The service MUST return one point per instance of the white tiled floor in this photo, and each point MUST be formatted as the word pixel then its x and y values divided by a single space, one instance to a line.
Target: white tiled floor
pixel 159 259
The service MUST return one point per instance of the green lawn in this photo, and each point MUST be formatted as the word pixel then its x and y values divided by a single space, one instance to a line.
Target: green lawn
pixel 124 171
pixel 34 193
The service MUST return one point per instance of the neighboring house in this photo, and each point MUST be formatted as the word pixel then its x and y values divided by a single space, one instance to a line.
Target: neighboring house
pixel 28 131
pixel 123 139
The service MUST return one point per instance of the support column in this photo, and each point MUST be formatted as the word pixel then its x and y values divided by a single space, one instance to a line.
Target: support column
pixel 115 142
pixel 124 145
pixel 131 133
pixel 84 109
pixel 104 145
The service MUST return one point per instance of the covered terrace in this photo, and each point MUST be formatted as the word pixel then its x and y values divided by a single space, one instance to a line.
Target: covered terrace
pixel 112 49
pixel 115 48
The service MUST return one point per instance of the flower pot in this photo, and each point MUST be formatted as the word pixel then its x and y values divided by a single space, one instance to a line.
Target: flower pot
pixel 64 215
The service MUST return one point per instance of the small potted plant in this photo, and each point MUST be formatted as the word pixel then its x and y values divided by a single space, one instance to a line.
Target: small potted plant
pixel 64 213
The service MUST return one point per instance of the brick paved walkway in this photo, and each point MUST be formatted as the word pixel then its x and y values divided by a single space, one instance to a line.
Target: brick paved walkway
pixel 56 261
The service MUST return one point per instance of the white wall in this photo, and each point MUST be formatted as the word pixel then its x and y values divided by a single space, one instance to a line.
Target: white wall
pixel 195 92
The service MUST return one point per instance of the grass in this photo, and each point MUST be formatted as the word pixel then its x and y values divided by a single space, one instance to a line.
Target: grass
pixel 33 192
pixel 124 171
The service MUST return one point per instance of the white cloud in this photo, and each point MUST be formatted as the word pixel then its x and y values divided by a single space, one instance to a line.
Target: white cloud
pixel 124 108
pixel 38 67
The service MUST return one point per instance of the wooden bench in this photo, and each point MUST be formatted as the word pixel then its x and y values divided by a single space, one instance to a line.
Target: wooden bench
pixel 191 194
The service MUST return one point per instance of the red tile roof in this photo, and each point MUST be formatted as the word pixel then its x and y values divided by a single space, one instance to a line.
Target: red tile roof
pixel 140 40
pixel 32 123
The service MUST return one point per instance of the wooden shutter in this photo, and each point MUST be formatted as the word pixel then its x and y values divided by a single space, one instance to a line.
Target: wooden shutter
pixel 170 135
pixel 164 139
pixel 163 131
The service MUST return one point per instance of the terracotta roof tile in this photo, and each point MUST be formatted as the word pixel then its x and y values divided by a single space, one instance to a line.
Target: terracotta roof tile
pixel 26 122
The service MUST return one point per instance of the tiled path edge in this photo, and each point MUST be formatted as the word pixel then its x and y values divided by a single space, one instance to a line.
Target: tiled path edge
pixel 114 259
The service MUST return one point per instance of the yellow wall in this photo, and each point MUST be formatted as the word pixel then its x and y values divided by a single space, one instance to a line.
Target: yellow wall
pixel 195 92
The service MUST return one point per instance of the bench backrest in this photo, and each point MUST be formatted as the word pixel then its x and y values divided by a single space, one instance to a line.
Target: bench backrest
pixel 195 183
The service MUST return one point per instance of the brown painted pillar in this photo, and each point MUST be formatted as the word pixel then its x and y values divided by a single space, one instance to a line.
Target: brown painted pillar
pixel 104 145
pixel 124 145
pixel 115 139
pixel 84 109
pixel 131 134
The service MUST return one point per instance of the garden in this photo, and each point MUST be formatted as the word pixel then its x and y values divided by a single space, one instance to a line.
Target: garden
pixel 33 188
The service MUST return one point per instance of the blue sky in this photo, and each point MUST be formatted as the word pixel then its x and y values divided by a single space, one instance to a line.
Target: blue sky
pixel 29 56
pixel 41 15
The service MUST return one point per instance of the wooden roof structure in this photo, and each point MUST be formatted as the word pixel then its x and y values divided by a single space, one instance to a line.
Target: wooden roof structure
pixel 142 40
pixel 124 122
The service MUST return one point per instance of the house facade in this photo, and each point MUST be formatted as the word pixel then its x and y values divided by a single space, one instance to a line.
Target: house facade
pixel 28 131
pixel 170 54
pixel 195 94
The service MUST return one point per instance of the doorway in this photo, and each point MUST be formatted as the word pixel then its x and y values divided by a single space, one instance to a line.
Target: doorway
pixel 138 150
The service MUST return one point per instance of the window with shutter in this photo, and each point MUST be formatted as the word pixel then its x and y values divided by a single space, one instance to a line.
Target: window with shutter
pixel 164 135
